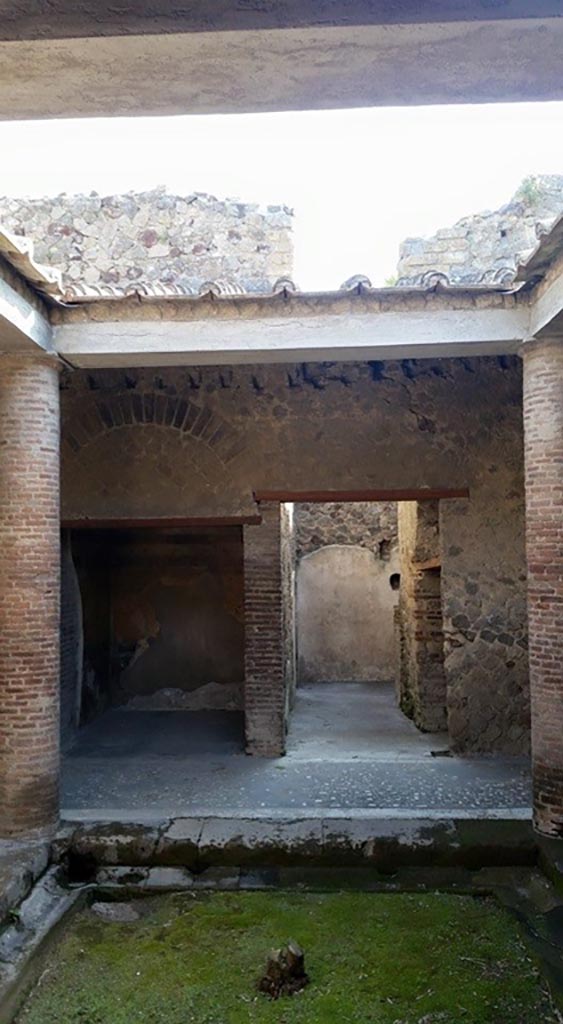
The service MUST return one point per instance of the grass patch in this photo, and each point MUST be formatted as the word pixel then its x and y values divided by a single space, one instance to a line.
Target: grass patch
pixel 372 958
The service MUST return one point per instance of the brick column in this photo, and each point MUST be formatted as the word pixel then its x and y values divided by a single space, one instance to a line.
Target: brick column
pixel 29 594
pixel 543 435
pixel 264 688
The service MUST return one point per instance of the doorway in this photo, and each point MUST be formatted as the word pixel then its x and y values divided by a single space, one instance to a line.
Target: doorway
pixel 347 555
pixel 369 625
pixel 158 623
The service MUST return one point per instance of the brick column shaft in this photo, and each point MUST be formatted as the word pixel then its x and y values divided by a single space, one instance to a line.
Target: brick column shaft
pixel 543 430
pixel 29 595
pixel 264 689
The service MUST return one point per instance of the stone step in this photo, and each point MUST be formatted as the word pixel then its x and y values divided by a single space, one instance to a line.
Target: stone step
pixel 383 844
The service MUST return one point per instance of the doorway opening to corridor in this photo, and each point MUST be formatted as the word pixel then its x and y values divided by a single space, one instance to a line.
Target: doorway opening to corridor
pixel 369 627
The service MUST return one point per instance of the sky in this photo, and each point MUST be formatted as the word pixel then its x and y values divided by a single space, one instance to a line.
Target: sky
pixel 359 181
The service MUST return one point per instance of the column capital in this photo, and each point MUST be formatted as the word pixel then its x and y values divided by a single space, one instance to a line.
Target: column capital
pixel 14 360
pixel 535 342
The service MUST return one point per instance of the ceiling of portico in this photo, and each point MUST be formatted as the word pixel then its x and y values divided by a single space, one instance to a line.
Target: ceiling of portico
pixel 64 59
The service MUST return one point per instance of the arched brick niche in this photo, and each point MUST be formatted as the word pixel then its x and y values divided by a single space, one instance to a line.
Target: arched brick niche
pixel 141 454
pixel 139 409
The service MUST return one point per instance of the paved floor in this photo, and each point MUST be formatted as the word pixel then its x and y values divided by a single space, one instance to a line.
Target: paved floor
pixel 355 721
pixel 349 751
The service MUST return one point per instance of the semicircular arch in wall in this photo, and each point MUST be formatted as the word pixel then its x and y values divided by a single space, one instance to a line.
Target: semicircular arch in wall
pixel 175 412
pixel 140 455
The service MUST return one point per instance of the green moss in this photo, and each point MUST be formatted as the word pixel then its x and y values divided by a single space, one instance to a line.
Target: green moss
pixel 372 958
pixel 530 190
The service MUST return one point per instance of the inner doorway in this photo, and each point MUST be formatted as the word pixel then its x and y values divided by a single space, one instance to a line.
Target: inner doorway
pixel 347 556
pixel 369 627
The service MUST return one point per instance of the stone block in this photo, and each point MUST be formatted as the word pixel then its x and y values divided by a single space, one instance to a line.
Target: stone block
pixel 178 844
pixel 263 841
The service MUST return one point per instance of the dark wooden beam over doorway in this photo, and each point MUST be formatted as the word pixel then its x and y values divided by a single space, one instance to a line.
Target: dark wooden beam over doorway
pixel 183 522
pixel 408 494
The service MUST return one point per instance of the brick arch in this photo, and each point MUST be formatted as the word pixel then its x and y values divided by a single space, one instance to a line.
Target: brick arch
pixel 137 409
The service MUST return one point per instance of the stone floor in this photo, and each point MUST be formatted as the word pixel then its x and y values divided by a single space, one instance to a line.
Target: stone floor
pixel 355 721
pixel 350 750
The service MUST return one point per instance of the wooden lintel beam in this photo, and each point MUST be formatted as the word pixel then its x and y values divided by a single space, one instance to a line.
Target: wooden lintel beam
pixel 408 494
pixel 180 522
pixel 429 563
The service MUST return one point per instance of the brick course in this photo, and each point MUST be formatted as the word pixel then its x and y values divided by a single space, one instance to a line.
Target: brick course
pixel 153 408
pixel 543 431
pixel 29 594
pixel 265 669
pixel 421 676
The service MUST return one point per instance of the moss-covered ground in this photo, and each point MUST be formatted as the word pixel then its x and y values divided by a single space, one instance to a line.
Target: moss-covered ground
pixel 372 959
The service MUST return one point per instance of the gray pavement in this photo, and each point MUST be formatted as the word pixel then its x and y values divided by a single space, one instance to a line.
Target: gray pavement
pixel 350 751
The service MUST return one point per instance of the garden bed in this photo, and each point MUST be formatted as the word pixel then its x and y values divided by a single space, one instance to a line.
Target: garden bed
pixel 372 958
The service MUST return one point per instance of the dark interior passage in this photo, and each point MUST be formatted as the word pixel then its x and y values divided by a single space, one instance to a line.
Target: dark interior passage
pixel 156 622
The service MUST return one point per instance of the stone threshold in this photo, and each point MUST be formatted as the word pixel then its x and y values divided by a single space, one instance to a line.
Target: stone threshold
pixel 72 816
pixel 384 843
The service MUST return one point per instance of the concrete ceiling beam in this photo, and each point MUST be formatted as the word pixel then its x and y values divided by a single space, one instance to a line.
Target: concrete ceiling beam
pixel 342 336
pixel 547 305
pixel 64 19
pixel 95 60
pixel 23 327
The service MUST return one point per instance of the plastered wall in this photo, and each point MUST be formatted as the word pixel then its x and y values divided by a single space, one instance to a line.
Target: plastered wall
pixel 345 616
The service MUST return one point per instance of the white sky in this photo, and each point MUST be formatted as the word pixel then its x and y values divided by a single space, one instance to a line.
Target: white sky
pixel 359 180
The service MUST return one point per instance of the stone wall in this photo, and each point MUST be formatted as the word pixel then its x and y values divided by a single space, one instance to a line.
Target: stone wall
pixel 367 524
pixel 177 618
pixel 485 247
pixel 201 441
pixel 156 238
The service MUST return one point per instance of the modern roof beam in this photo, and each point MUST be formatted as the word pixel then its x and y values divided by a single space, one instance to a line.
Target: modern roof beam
pixel 546 315
pixel 61 19
pixel 241 334
pixel 65 59
pixel 24 324
pixel 542 274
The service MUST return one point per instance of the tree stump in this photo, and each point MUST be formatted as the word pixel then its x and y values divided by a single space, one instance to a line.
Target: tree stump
pixel 285 972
